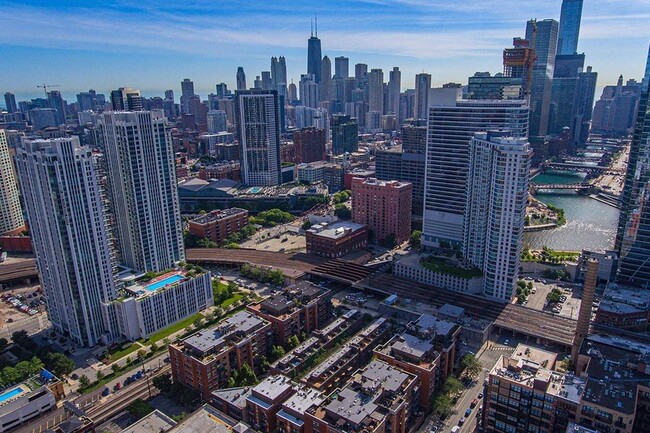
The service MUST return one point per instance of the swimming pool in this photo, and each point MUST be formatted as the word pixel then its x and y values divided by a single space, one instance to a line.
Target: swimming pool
pixel 162 283
pixel 10 394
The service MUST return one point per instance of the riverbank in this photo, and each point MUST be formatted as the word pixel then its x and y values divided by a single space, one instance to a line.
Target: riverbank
pixel 540 227
pixel 541 216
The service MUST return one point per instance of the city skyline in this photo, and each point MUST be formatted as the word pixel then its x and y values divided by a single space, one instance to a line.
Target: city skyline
pixel 449 41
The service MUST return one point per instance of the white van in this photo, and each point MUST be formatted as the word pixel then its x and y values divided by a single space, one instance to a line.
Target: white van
pixel 456 429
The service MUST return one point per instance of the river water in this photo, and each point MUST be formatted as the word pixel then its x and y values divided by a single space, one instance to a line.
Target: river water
pixel 590 223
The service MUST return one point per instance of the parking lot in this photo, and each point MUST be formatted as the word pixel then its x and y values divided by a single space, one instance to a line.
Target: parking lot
pixel 569 308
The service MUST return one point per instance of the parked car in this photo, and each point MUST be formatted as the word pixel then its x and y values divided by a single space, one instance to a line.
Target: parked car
pixel 461 421
pixel 468 412
pixel 480 394
pixel 473 403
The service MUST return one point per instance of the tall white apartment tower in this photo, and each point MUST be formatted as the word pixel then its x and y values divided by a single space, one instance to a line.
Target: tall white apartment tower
pixel 258 131
pixel 11 216
pixel 452 123
pixel 144 198
pixel 497 191
pixel 68 230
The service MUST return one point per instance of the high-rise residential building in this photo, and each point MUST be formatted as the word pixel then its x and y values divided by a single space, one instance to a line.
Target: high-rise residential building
pixel 497 193
pixel 55 101
pixel 376 91
pixel 11 216
pixel 10 103
pixel 583 105
pixel 394 89
pixel 187 92
pixel 542 36
pixel 345 134
pixel 217 121
pixel 384 206
pixel 310 145
pixel 360 71
pixel 341 67
pixel 326 85
pixel 422 87
pixel 452 123
pixel 634 265
pixel 90 100
pixel 309 91
pixel 126 98
pixel 584 314
pixel 570 17
pixel 518 62
pixel 222 90
pixel 42 118
pixel 67 225
pixel 258 131
pixel 314 56
pixel 144 197
pixel 241 78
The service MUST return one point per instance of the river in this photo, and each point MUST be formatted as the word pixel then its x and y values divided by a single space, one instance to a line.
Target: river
pixel 590 223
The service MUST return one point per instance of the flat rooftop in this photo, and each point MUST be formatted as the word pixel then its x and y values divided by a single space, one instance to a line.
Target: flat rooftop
pixel 217 215
pixel 302 400
pixel 624 300
pixel 273 387
pixel 544 358
pixel 155 422
pixel 207 340
pixel 336 230
pixel 411 345
pixel 209 420
pixel 234 396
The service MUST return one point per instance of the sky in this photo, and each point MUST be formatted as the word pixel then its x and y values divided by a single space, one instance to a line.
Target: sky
pixel 153 45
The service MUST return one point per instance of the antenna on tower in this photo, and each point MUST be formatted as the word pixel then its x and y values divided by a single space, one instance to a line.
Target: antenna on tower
pixel 316 22
pixel 311 23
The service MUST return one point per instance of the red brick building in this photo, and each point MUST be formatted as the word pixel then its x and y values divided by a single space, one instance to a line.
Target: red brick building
pixel 205 360
pixel 384 206
pixel 228 170
pixel 219 224
pixel 309 144
pixel 337 239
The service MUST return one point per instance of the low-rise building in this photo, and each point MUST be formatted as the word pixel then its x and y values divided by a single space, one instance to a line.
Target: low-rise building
pixel 379 399
pixel 226 170
pixel 219 224
pixel 624 308
pixel 205 360
pixel 144 307
pixel 336 239
pixel 265 401
pixel 448 277
pixel 300 308
pixel 291 417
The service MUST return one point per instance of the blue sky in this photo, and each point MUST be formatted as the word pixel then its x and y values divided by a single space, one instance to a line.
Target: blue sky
pixel 153 45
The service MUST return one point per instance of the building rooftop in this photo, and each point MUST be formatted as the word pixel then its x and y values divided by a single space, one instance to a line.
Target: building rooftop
pixel 289 300
pixel 428 326
pixel 209 420
pixel 335 230
pixel 217 215
pixel 624 300
pixel 451 311
pixel 303 399
pixel 155 422
pixel 272 387
pixel 410 345
pixel 385 183
pixel 234 396
pixel 544 358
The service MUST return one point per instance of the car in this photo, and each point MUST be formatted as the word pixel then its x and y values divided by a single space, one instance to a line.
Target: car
pixel 474 403
pixel 461 421
pixel 468 412
pixel 434 429
pixel 507 342
pixel 455 429
pixel 480 394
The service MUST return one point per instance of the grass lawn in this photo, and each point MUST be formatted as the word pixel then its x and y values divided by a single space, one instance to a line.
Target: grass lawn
pixel 166 332
pixel 438 264
pixel 235 297
pixel 124 352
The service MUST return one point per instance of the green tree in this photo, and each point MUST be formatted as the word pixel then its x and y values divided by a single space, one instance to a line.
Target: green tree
pixel 277 352
pixel 198 322
pixel 341 211
pixel 100 376
pixel 416 238
pixel 84 381
pixel 293 341
pixel 142 354
pixel 441 405
pixel 59 364
pixel 153 347
pixel 115 368
pixel 245 376
pixel 470 365
pixel 452 386
pixel 306 225
pixel 139 408
pixel 163 382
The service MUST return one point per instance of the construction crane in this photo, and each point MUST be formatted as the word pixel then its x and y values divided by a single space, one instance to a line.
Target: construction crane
pixel 45 87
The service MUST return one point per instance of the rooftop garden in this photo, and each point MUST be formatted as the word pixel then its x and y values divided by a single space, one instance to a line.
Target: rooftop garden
pixel 449 267
pixel 549 256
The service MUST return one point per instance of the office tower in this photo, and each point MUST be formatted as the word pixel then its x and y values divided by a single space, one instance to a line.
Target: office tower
pixel 275 71
pixel 583 104
pixel 483 85
pixel 452 123
pixel 615 112
pixel 314 56
pixel 10 103
pixel 565 82
pixel 634 267
pixel 282 71
pixel 326 80
pixel 64 206
pixel 384 206
pixel 497 193
pixel 144 198
pixel 394 89
pixel 11 216
pixel 309 91
pixel 241 79
pixel 360 71
pixel 422 87
pixel 518 63
pixel 41 118
pixel 345 134
pixel 257 83
pixel 187 91
pixel 169 94
pixel 266 80
pixel 646 77
pixel 376 91
pixel 126 98
pixel 55 101
pixel 217 121
pixel 292 92
pixel 222 90
pixel 258 131
pixel 341 67
pixel 569 27
pixel 584 315
pixel 310 144
pixel 90 100
pixel 542 36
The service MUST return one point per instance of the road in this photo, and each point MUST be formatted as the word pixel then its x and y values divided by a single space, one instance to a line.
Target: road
pixel 31 324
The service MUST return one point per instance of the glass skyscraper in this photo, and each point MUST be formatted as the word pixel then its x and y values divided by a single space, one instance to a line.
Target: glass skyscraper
pixel 569 27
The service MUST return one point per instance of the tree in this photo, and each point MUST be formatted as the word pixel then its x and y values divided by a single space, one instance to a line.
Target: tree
pixel 277 352
pixel 139 408
pixel 153 347
pixel 293 341
pixel 142 354
pixel 115 368
pixel 198 322
pixel 100 375
pixel 441 405
pixel 390 241
pixel 416 238
pixel 245 376
pixel 59 364
pixel 163 382
pixel 84 381
pixel 341 211
pixel 452 386
pixel 3 343
pixel 306 225
pixel 470 365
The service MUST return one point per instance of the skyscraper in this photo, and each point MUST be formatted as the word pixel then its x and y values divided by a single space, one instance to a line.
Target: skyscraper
pixel 376 91
pixel 258 130
pixel 126 98
pixel 309 91
pixel 341 67
pixel 314 56
pixel 241 79
pixel 646 77
pixel 67 225
pixel 187 91
pixel 56 102
pixel 565 82
pixel 518 62
pixel 452 123
pixel 10 103
pixel 542 36
pixel 144 198
pixel 217 121
pixel 11 216
pixel 394 89
pixel 360 71
pixel 278 72
pixel 569 27
pixel 345 134
pixel 422 87
pixel 497 193
pixel 634 267
pixel 583 105
pixel 326 89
